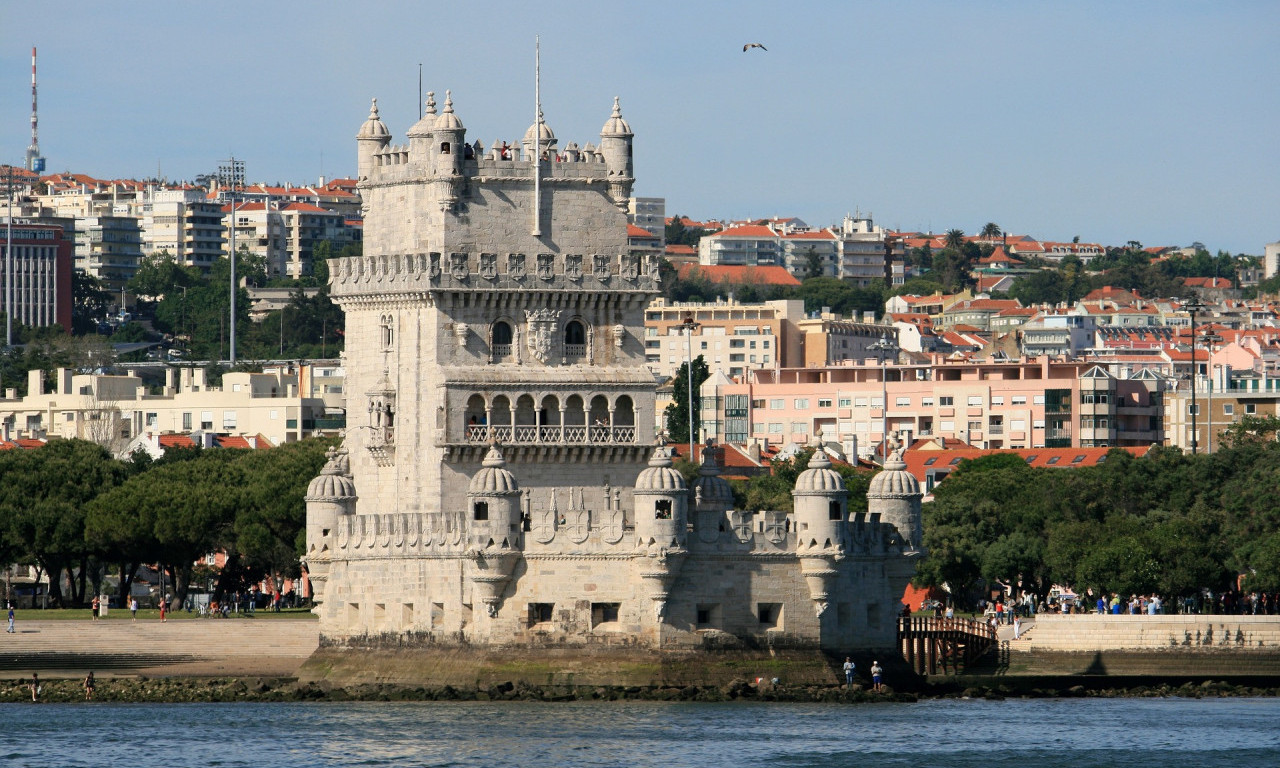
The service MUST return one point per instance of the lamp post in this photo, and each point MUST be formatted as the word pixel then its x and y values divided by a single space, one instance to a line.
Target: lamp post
pixel 1193 306
pixel 689 325
pixel 1209 338
pixel 884 347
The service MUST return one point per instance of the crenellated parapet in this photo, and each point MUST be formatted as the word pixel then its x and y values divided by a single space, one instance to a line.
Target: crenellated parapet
pixel 356 276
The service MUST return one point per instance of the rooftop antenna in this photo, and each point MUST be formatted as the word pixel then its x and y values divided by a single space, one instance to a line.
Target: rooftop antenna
pixel 537 137
pixel 34 161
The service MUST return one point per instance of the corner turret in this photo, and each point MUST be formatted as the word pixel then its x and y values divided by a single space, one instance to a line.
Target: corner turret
pixel 615 145
pixel 330 495
pixel 420 134
pixel 373 136
pixel 895 494
pixel 449 154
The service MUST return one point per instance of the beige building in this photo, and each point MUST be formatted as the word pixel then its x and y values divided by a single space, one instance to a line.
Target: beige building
pixel 730 336
pixel 114 410
pixel 184 223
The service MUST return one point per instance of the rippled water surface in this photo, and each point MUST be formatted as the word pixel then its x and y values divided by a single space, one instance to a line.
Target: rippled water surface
pixel 1185 733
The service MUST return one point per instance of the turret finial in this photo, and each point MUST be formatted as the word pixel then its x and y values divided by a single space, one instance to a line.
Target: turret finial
pixel 431 102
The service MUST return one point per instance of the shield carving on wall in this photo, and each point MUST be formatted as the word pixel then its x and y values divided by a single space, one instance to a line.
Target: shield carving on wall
pixel 542 330
pixel 578 525
pixel 611 526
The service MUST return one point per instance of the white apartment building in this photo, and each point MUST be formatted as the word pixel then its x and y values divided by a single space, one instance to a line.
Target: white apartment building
pixel 112 410
pixel 649 214
pixel 730 336
pixel 109 248
pixel 184 223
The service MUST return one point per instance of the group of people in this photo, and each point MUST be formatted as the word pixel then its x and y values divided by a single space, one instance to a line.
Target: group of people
pixel 877 674
pixel 36 688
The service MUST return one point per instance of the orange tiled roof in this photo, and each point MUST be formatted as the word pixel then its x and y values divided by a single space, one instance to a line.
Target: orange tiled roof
pixel 722 273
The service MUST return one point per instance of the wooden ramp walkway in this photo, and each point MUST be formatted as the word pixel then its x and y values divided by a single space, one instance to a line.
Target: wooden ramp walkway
pixel 944 646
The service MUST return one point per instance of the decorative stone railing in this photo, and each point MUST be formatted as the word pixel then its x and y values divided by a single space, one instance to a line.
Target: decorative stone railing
pixel 551 434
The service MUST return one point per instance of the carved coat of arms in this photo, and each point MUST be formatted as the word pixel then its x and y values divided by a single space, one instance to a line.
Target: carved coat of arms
pixel 611 526
pixel 573 266
pixel 546 266
pixel 458 265
pixel 488 265
pixel 515 266
pixel 600 266
pixel 542 331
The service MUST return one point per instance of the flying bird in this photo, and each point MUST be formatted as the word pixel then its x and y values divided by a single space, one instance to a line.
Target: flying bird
pixel 749 46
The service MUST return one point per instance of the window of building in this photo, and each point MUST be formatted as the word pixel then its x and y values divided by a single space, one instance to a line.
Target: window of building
pixel 1038 400
pixel 1078 459
pixel 902 402
pixel 480 511
pixel 758 403
pixel 1037 424
pixel 186 422
pixel 846 402
pixel 1228 409
pixel 540 613
pixel 764 344
pixel 770 615
pixel 707 615
pixel 1193 410
pixel 824 402
pixel 206 420
pixel 1019 400
pixel 799 428
pixel 802 403
pixel 736 358
pixel 975 426
pixel 662 509
pixel 975 399
pixel 1018 425
pixel 946 401
pixel 737 343
pixel 502 333
pixel 777 404
pixel 1250 408
pixel 997 399
pixel 775 427
pixel 604 613
pixel 834 511
pixel 926 402
pixel 228 419
pixel 860 402
pixel 947 426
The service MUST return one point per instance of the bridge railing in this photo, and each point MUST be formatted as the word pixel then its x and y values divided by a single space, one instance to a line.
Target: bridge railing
pixel 944 646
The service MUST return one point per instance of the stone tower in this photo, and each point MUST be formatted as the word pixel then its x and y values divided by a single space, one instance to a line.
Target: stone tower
pixel 894 495
pixel 500 430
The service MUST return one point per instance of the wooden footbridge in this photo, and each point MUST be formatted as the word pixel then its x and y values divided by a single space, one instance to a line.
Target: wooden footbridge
pixel 944 646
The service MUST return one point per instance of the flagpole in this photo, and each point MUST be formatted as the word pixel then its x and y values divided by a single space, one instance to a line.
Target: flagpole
pixel 537 137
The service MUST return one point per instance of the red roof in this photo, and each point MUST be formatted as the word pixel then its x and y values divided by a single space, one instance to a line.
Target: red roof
pixel 634 231
pixel 175 441
pixel 747 230
pixel 682 250
pixel 723 273
pixel 921 462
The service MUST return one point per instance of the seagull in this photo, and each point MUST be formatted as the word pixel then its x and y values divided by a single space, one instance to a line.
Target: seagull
pixel 749 46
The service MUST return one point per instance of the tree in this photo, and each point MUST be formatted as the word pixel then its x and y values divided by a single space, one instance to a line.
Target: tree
pixel 677 414
pixel 991 231
pixel 813 263
pixel 90 302
pixel 955 239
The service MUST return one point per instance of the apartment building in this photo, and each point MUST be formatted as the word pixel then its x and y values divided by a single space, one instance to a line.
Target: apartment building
pixel 112 410
pixel 41 275
pixel 1029 403
pixel 731 336
pixel 109 248
pixel 185 224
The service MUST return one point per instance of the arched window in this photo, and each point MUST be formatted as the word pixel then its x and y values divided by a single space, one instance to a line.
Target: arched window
pixel 575 333
pixel 662 509
pixel 481 510
pixel 388 329
pixel 502 332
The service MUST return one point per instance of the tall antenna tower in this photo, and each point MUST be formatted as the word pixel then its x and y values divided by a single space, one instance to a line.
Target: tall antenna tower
pixel 34 161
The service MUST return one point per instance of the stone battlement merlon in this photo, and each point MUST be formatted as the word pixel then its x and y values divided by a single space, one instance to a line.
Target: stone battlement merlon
pixel 589 273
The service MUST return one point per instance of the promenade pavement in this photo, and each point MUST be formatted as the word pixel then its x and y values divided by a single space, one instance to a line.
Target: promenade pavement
pixel 261 647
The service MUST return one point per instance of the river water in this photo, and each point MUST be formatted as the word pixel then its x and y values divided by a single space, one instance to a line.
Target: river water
pixel 1133 733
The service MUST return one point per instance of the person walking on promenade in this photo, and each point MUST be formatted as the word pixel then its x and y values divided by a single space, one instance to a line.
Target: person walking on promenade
pixel 10 629
pixel 1017 627
pixel 93 606
pixel 162 618
pixel 848 672
pixel 35 686
pixel 133 607
pixel 89 684
pixel 877 675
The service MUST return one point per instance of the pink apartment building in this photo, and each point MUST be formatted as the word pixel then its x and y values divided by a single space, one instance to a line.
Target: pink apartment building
pixel 1030 403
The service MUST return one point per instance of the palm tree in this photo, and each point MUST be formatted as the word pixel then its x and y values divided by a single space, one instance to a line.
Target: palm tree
pixel 955 238
pixel 991 231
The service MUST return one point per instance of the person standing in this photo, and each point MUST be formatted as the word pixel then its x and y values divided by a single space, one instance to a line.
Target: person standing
pixel 10 629
pixel 162 618
pixel 133 607
pixel 93 606
pixel 848 672
pixel 89 685
pixel 877 676
pixel 35 686
pixel 1017 627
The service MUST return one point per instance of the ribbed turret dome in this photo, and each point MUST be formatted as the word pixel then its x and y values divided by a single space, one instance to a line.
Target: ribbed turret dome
pixel 616 126
pixel 428 121
pixel 374 128
pixel 659 476
pixel 448 121
pixel 333 483
pixel 710 487
pixel 545 134
pixel 894 481
pixel 493 477
pixel 819 477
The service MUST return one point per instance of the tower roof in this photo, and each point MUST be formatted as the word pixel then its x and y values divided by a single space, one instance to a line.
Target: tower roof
pixel 616 126
pixel 659 476
pixel 448 121
pixel 894 481
pixel 334 481
pixel 546 136
pixel 493 477
pixel 819 477
pixel 373 127
pixel 428 120
pixel 710 487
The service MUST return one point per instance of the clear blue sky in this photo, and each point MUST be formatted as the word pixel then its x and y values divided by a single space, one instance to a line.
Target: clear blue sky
pixel 1154 121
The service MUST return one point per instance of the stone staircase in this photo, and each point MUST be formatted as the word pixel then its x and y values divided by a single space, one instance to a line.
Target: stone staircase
pixel 242 646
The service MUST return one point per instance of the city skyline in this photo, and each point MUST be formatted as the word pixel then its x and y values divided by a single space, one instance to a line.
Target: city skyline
pixel 1144 122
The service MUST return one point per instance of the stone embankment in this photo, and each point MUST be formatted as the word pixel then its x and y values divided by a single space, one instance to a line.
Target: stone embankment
pixel 1098 632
